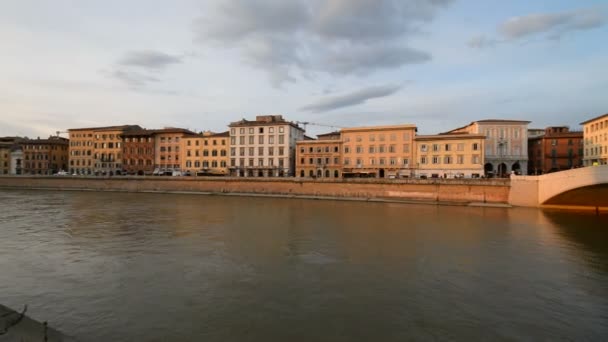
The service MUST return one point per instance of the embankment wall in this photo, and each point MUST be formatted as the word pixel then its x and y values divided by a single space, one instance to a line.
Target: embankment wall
pixel 429 190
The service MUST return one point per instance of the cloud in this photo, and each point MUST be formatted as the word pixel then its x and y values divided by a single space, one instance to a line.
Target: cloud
pixel 547 25
pixel 351 99
pixel 288 39
pixel 140 68
pixel 152 60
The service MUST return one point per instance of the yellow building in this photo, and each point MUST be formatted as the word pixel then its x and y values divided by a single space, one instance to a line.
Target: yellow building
pixel 457 155
pixel 595 135
pixel 6 144
pixel 320 158
pixel 380 151
pixel 97 150
pixel 205 154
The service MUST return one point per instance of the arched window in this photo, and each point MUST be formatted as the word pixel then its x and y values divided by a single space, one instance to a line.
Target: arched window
pixel 336 174
pixel 327 173
pixel 311 173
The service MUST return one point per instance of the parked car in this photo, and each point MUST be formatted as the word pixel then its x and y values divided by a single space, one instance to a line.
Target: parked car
pixel 62 173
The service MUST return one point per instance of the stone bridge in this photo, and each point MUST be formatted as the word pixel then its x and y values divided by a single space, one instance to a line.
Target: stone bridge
pixel 585 187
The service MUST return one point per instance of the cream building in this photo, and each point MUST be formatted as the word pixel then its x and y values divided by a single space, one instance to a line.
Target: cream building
pixel 506 145
pixel 206 154
pixel 378 151
pixel 265 147
pixel 595 135
pixel 456 155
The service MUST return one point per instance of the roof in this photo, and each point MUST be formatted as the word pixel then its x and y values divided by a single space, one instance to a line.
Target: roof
pixel 489 121
pixel 596 118
pixel 266 121
pixel 377 128
pixel 107 128
pixel 208 135
pixel 139 132
pixel 329 134
pixel 49 141
pixel 446 136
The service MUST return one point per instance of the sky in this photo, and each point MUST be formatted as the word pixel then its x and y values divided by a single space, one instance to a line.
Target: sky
pixel 439 64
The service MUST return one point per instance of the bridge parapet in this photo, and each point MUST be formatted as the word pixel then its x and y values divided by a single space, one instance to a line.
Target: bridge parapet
pixel 537 190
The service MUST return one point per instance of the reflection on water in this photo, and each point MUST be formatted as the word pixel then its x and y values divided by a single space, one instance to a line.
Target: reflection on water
pixel 149 267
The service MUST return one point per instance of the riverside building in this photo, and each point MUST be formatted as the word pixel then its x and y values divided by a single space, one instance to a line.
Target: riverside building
pixel 44 156
pixel 167 153
pixel 378 151
pixel 556 149
pixel 454 155
pixel 265 147
pixel 138 152
pixel 320 158
pixel 206 154
pixel 97 150
pixel 506 145
pixel 595 133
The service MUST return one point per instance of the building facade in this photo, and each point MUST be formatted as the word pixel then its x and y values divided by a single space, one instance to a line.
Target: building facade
pixel 138 152
pixel 6 146
pixel 321 158
pixel 265 147
pixel 456 155
pixel 595 133
pixel 556 149
pixel 97 150
pixel 44 156
pixel 506 146
pixel 206 154
pixel 380 151
pixel 167 152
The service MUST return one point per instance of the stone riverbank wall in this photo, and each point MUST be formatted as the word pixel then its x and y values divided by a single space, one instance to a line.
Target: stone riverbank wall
pixel 457 191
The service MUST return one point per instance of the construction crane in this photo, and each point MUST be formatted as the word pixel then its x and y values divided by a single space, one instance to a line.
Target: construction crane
pixel 305 123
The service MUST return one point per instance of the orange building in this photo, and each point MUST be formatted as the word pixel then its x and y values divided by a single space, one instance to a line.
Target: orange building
pixel 167 144
pixel 138 152
pixel 205 154
pixel 321 158
pixel 379 151
pixel 97 150
pixel 44 156
pixel 556 149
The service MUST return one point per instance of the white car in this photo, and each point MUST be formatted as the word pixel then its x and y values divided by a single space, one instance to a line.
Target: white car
pixel 62 173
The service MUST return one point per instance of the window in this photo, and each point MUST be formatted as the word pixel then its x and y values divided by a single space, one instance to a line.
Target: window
pixel 475 146
pixel 406 162
pixel 393 161
pixel 406 148
pixel 346 149
pixel 251 139
pixel 460 159
pixel 281 150
pixel 391 149
pixel 261 140
pixel 271 130
pixel 372 137
pixel 423 160
pixel 393 137
pixel 372 149
pixel 346 161
pixel 460 147
pixel 281 139
pixel 251 151
pixel 475 159
pixel 435 159
pixel 382 149
pixel 260 151
pixel 372 161
pixel 447 159
pixel 448 147
pixel 241 140
pixel 281 129
pixel 359 149
pixel 250 130
pixel 435 147
pixel 261 130
pixel 423 148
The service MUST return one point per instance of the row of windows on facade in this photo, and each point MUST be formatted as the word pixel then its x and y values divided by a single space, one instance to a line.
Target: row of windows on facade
pixel 597 139
pixel 139 162
pixel 260 130
pixel 555 142
pixel 97 136
pixel 205 142
pixel 39 165
pixel 381 137
pixel 140 139
pixel 379 149
pixel 596 151
pixel 320 173
pixel 140 151
pixel 460 159
pixel 260 150
pixel 45 147
pixel 214 153
pixel 596 126
pixel 327 149
pixel 102 146
pixel 500 133
pixel 205 164
pixel 41 157
pixel 261 162
pixel 261 138
pixel 554 152
pixel 320 161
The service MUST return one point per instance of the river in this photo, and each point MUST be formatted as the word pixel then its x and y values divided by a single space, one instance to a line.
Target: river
pixel 106 266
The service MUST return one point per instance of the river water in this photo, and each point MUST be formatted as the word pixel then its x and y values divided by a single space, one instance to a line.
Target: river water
pixel 154 267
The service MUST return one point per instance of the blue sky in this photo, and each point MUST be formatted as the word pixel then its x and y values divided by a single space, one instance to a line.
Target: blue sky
pixel 200 64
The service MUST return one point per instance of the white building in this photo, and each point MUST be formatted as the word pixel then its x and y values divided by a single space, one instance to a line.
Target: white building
pixel 506 147
pixel 264 147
